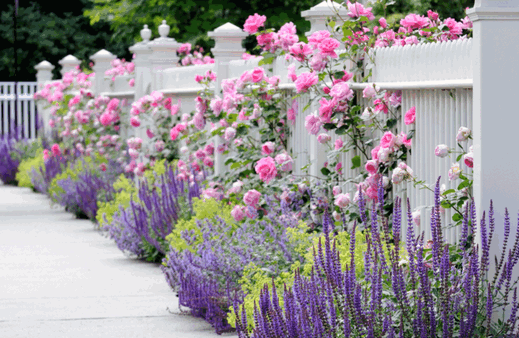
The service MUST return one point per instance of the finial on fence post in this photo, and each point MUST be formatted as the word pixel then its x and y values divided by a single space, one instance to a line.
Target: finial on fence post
pixel 44 72
pixel 68 63
pixel 102 62
pixel 228 46
pixel 163 56
pixel 318 14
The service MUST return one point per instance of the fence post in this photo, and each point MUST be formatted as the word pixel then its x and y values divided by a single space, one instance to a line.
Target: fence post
pixel 102 62
pixel 496 27
pixel 317 16
pixel 142 52
pixel 43 75
pixel 163 56
pixel 68 63
pixel 228 46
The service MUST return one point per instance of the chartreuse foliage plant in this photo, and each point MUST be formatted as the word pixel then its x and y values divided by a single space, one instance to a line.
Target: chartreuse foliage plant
pixel 203 209
pixel 23 176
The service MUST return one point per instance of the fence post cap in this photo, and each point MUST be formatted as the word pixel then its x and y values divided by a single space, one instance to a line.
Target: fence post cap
pixel 44 65
pixel 102 55
pixel 324 8
pixel 228 29
pixel 69 60
pixel 163 41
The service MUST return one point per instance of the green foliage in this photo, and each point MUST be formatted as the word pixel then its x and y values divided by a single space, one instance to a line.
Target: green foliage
pixel 191 20
pixel 202 209
pixel 23 176
pixel 47 31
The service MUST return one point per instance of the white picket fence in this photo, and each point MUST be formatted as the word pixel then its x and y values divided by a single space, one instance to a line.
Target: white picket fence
pixel 436 78
pixel 24 117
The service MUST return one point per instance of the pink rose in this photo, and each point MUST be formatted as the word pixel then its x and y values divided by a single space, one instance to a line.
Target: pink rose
pixel 285 161
pixel 317 37
pixel 135 122
pixel 46 154
pixel 388 140
pixel 370 91
pixel 208 161
pixel 357 10
pixel 134 154
pixel 305 81
pixel 251 197
pixel 323 138
pixel 327 47
pixel 463 134
pixel 229 134
pixel 267 148
pixel 238 213
pixel 468 158
pixel 266 169
pixel 312 124
pixel 216 105
pixel 341 91
pixel 209 149
pixel 106 118
pixel 410 116
pixel 173 133
pixel 56 151
pixel 254 22
pixel 159 146
pixel 326 109
pixel 342 200
pixel 338 144
pixel 441 150
pixel 336 190
pixel 149 133
pixel 257 74
pixel 371 166
pixel 374 152
pixel 382 22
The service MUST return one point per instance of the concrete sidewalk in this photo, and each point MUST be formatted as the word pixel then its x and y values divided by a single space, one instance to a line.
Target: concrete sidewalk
pixel 60 278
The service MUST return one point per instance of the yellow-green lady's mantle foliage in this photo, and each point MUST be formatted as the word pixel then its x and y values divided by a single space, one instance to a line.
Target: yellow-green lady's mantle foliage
pixel 203 209
pixel 125 191
pixel 72 171
pixel 254 277
pixel 23 176
pixel 124 188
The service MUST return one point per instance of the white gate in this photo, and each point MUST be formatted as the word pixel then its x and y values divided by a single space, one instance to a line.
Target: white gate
pixel 25 118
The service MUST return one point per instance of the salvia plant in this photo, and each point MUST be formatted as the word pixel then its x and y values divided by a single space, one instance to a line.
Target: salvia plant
pixel 206 276
pixel 439 290
pixel 141 229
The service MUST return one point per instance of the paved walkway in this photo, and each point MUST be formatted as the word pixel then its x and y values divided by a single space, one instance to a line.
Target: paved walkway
pixel 60 278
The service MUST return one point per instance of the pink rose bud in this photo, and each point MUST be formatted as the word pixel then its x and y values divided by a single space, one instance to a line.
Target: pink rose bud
pixel 468 158
pixel 238 213
pixel 441 150
pixel 268 148
pixel 149 133
pixel 342 200
pixel 323 138
pixel 416 217
pixel 463 134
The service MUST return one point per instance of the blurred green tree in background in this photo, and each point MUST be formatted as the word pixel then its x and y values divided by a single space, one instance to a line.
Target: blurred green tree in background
pixel 47 31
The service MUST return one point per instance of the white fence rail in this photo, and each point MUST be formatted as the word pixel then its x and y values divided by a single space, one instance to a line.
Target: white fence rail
pixel 23 118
